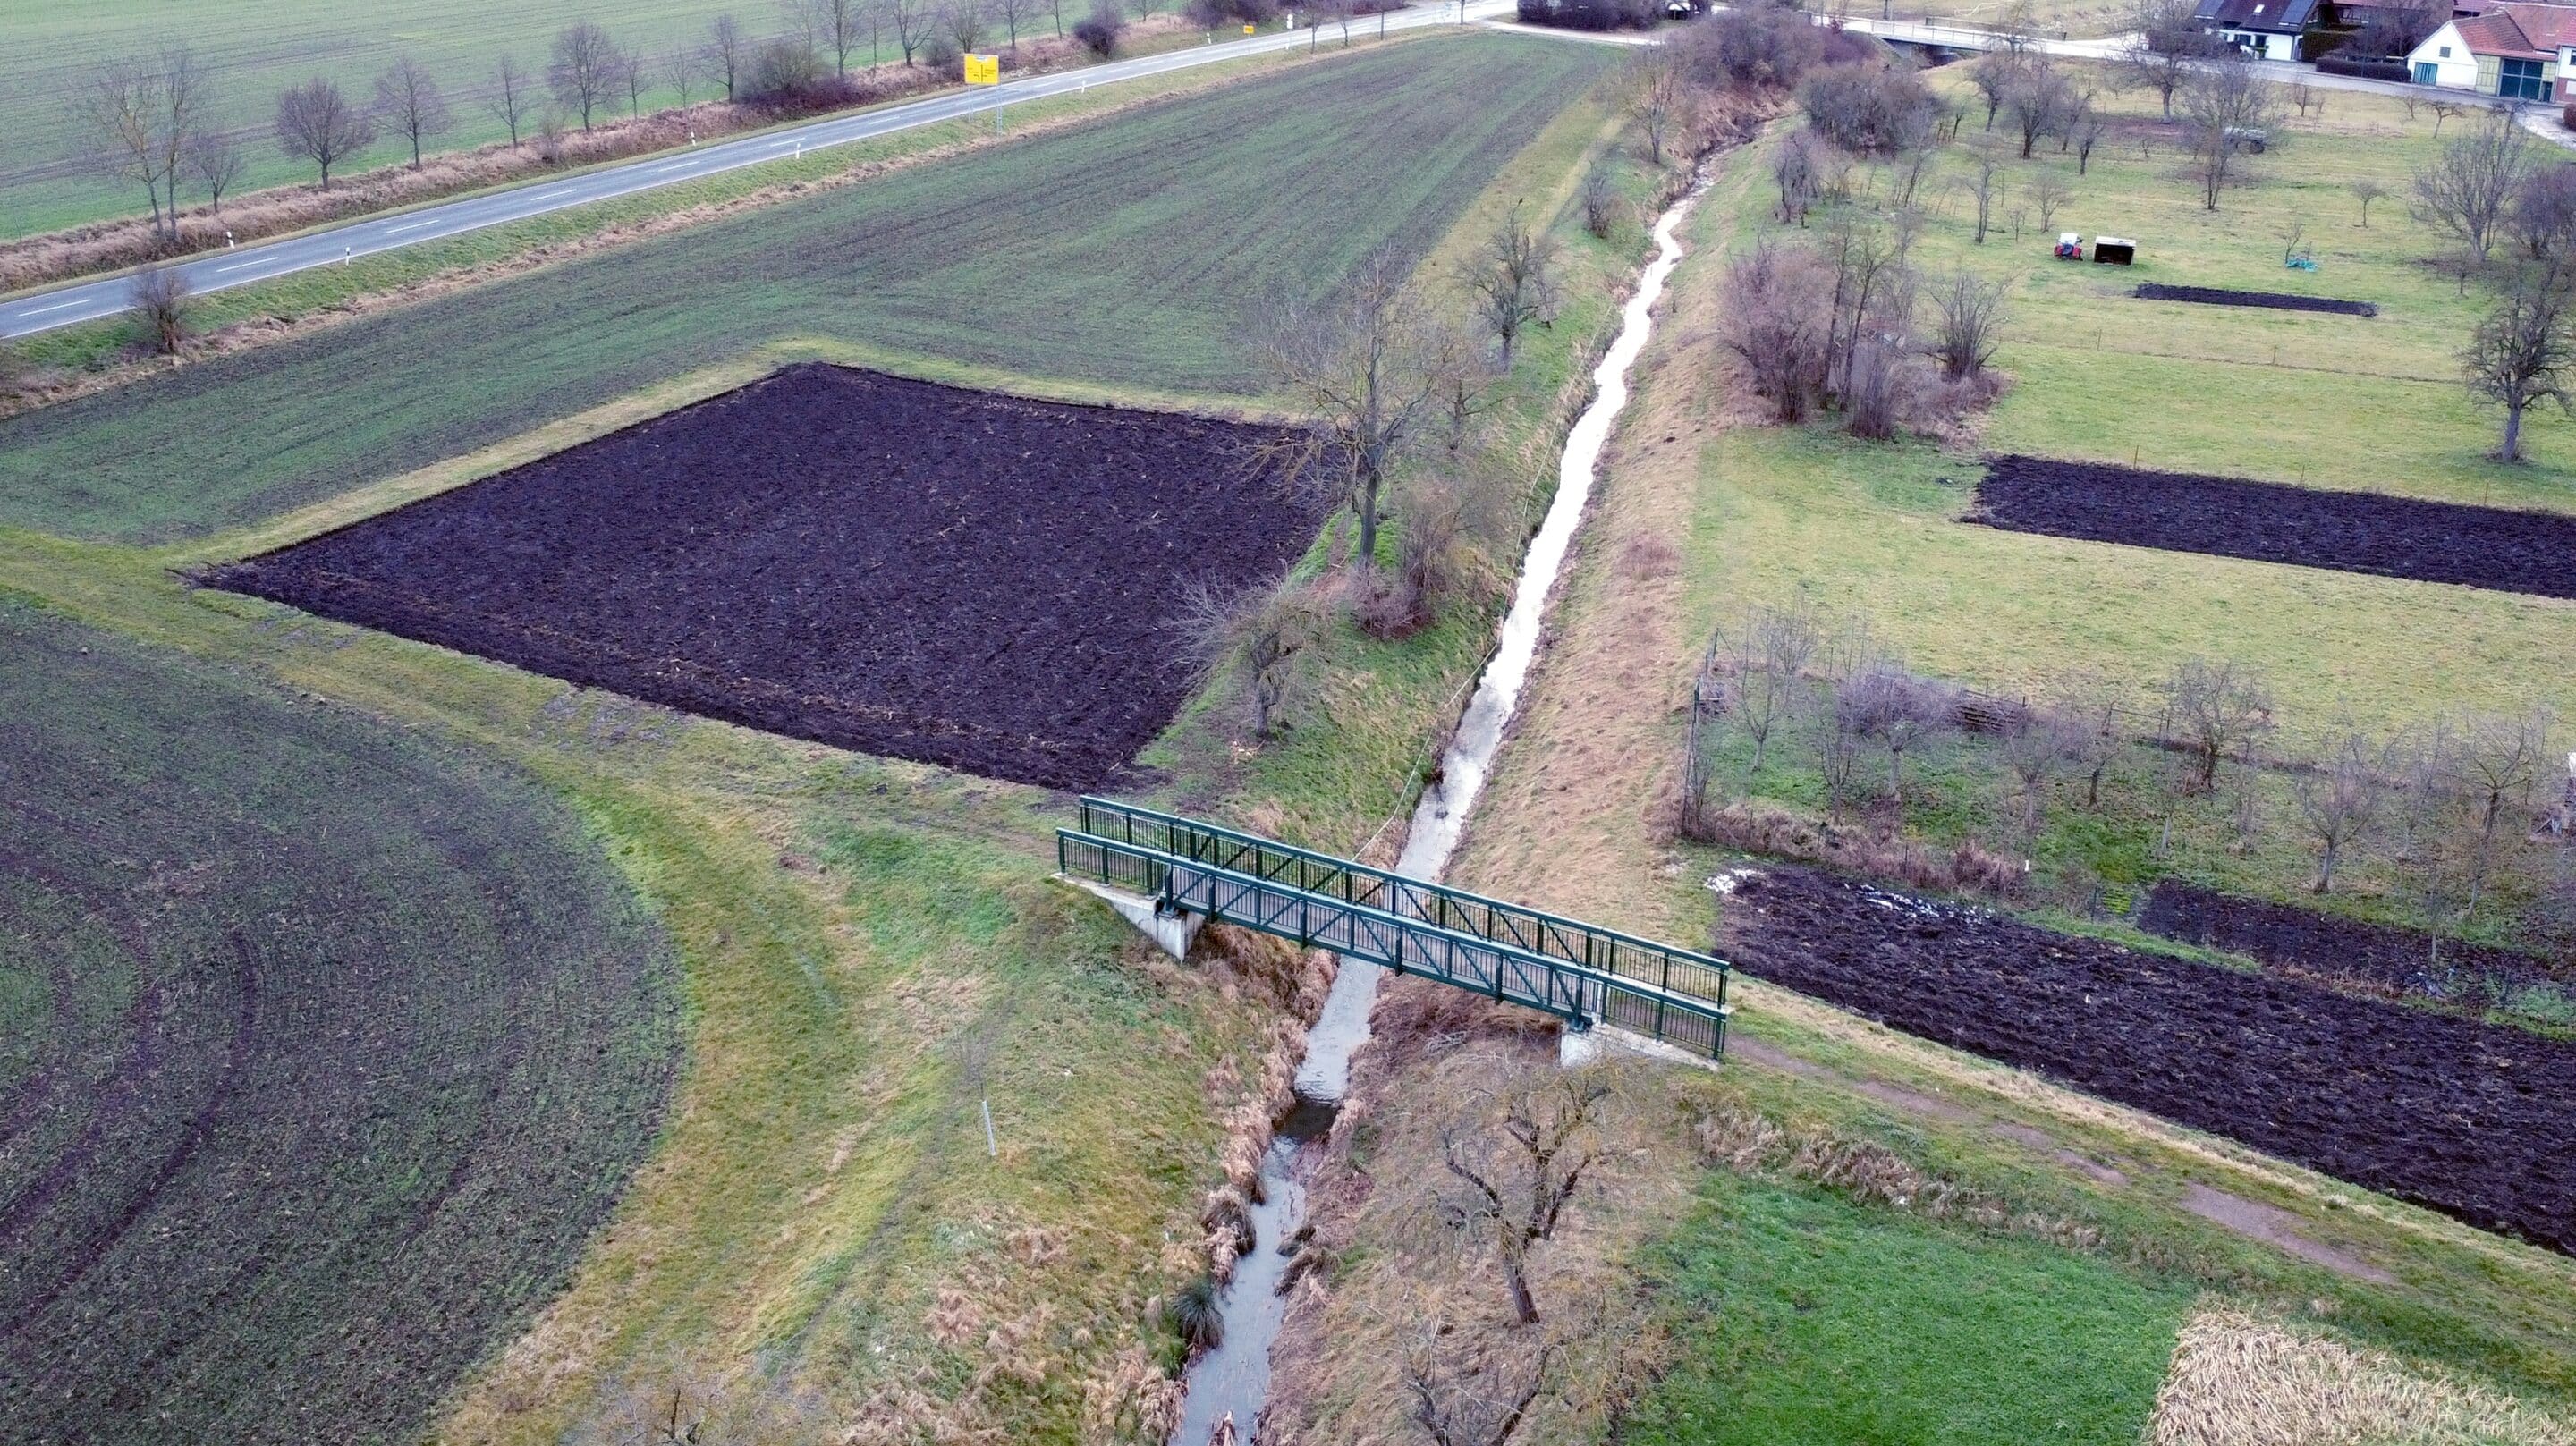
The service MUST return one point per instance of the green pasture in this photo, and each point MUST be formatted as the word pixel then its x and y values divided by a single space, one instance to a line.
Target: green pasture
pixel 1121 254
pixel 1788 1330
pixel 329 1047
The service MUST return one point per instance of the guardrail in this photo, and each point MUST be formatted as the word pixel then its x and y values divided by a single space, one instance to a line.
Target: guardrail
pixel 1405 943
pixel 1606 951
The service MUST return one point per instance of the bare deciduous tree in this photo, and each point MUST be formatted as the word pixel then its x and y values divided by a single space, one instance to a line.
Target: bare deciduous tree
pixel 513 96
pixel 2037 742
pixel 2445 110
pixel 2092 706
pixel 1900 711
pixel 965 20
pixel 1600 202
pixel 1012 12
pixel 911 24
pixel 2520 353
pixel 315 122
pixel 2040 101
pixel 2366 191
pixel 1970 312
pixel 585 69
pixel 1516 1196
pixel 160 296
pixel 728 53
pixel 407 98
pixel 1778 322
pixel 634 76
pixel 140 113
pixel 1658 93
pixel 1260 636
pixel 834 24
pixel 1473 1392
pixel 1366 367
pixel 2048 191
pixel 2470 186
pixel 1981 184
pixel 1798 169
pixel 2088 134
pixel 1765 657
pixel 1994 74
pixel 2494 765
pixel 2168 40
pixel 2221 708
pixel 684 67
pixel 2225 107
pixel 1512 281
pixel 2542 216
pixel 2339 800
pixel 215 159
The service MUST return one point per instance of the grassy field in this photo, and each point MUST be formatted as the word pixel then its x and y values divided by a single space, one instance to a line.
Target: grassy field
pixel 253 49
pixel 329 1048
pixel 1122 254
pixel 821 1248
pixel 1791 1335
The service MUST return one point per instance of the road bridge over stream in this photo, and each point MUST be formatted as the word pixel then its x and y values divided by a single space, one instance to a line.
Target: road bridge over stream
pixel 1579 972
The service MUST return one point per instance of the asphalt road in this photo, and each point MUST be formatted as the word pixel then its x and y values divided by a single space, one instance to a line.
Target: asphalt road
pixel 262 261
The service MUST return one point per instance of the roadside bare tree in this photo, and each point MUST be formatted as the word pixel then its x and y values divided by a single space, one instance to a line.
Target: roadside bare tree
pixel 912 19
pixel 1516 1194
pixel 728 53
pixel 834 24
pixel 140 113
pixel 2225 106
pixel 216 160
pixel 1969 312
pixel 407 98
pixel 2168 39
pixel 2221 708
pixel 965 20
pixel 1261 636
pixel 1366 368
pixel 2522 352
pixel 160 296
pixel 585 69
pixel 1512 281
pixel 514 94
pixel 2469 188
pixel 315 122
pixel 1012 13
pixel 2339 801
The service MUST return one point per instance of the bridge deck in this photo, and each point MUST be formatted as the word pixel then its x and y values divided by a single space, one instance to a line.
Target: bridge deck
pixel 1410 941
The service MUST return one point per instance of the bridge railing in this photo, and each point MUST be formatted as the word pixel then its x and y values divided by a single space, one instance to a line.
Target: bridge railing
pixel 1605 951
pixel 1407 944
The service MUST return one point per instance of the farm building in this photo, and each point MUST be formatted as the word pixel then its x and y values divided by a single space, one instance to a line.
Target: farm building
pixel 2265 29
pixel 2516 51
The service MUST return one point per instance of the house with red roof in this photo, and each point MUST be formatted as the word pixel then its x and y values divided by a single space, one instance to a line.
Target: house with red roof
pixel 2513 50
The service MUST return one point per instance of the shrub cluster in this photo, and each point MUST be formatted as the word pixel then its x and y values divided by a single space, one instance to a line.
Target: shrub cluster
pixel 1593 14
pixel 1100 31
pixel 1867 109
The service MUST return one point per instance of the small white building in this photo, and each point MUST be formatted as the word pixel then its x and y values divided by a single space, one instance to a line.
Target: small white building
pixel 2515 51
pixel 2264 29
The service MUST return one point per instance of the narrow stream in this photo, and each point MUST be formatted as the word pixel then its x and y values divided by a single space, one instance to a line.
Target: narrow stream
pixel 1232 1381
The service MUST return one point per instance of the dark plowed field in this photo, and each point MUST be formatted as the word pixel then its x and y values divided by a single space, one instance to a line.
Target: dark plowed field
pixel 889 565
pixel 2374 956
pixel 2466 1118
pixel 322 1054
pixel 2490 547
pixel 2274 300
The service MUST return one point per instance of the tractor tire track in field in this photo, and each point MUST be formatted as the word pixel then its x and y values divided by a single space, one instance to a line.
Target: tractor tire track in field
pixel 395 1039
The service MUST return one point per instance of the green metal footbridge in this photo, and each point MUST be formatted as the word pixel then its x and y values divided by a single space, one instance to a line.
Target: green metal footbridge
pixel 1579 972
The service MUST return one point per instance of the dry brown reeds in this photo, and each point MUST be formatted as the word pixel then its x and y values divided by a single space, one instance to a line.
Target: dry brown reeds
pixel 2239 1380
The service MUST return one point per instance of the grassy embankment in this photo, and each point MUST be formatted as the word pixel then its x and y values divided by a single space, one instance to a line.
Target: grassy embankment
pixel 870 948
pixel 1702 513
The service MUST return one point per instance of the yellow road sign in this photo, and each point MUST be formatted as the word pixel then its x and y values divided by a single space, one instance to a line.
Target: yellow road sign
pixel 1248 29
pixel 983 70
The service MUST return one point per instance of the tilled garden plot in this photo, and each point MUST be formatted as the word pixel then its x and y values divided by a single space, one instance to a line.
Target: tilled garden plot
pixel 2469 1119
pixel 955 577
pixel 322 1054
pixel 2489 547
pixel 2373 956
pixel 2275 300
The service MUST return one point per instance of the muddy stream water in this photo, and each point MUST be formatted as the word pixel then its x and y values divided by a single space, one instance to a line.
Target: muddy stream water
pixel 1233 1380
